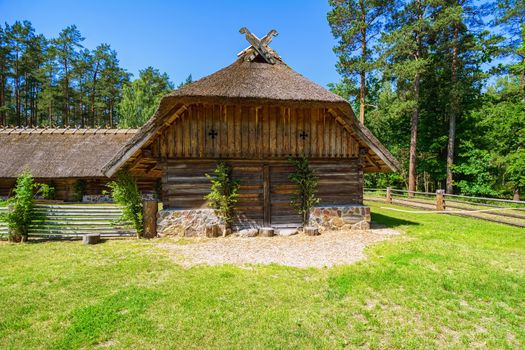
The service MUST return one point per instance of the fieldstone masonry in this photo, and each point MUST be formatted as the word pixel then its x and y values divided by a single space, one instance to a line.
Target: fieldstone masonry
pixel 353 217
pixel 193 222
pixel 106 198
pixel 190 222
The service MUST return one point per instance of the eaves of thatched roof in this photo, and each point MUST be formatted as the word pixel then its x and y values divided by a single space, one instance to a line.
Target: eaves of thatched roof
pixel 59 153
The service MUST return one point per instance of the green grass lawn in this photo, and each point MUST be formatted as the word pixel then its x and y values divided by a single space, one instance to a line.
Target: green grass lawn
pixel 448 282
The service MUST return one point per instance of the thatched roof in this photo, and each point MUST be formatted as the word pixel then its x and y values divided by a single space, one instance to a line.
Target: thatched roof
pixel 59 153
pixel 258 81
pixel 251 82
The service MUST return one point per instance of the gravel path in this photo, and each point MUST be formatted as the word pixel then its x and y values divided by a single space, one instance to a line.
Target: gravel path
pixel 329 249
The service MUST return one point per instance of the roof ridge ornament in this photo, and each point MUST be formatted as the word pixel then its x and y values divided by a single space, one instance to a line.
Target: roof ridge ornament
pixel 259 46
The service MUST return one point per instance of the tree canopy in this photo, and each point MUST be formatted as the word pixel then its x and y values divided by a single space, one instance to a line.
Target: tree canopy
pixel 59 82
pixel 445 91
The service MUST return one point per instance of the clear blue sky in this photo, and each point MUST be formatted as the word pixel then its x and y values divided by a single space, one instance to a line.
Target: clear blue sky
pixel 182 37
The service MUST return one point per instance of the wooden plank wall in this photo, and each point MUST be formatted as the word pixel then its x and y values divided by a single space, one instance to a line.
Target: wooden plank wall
pixel 265 192
pixel 339 183
pixel 185 185
pixel 281 191
pixel 265 132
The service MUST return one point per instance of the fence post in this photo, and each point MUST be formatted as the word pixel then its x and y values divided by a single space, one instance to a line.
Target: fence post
pixel 389 195
pixel 440 200
pixel 150 218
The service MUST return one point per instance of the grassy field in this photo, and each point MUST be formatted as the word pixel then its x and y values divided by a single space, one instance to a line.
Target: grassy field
pixel 448 282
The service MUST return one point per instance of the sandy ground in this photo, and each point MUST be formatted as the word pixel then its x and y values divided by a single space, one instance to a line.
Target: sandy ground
pixel 329 249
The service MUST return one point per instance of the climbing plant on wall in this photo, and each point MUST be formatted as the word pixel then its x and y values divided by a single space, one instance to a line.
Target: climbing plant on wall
pixel 305 180
pixel 224 192
pixel 125 192
pixel 20 212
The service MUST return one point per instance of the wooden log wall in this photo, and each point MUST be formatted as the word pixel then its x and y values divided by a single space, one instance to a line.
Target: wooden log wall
pixel 65 187
pixel 6 186
pixel 246 132
pixel 265 192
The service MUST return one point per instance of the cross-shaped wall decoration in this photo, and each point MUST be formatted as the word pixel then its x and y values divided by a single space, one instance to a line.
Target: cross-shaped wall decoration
pixel 303 135
pixel 213 133
pixel 259 46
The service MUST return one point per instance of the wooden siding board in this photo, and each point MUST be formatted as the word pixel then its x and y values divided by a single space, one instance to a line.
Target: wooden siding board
pixel 300 130
pixel 264 132
pixel 265 192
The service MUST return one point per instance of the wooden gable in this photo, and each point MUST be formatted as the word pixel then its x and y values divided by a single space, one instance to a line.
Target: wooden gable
pixel 206 131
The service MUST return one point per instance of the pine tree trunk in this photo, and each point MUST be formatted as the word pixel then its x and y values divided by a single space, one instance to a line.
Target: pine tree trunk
pixel 362 89
pixel 50 107
pixel 81 109
pixel 26 100
pixel 412 175
pixel 522 80
pixel 413 139
pixel 66 105
pixel 110 117
pixel 454 106
pixel 66 93
pixel 3 121
pixel 17 93
pixel 523 76
pixel 93 93
pixel 37 121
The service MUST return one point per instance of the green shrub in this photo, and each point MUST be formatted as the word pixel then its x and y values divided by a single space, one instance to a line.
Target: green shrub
pixel 305 180
pixel 125 192
pixel 20 212
pixel 47 191
pixel 79 190
pixel 224 192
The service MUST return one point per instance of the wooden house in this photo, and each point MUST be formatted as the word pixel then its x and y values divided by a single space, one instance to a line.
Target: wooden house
pixel 255 115
pixel 62 158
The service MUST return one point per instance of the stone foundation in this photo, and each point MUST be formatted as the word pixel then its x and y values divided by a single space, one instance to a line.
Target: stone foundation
pixel 106 198
pixel 193 222
pixel 190 223
pixel 353 217
pixel 97 198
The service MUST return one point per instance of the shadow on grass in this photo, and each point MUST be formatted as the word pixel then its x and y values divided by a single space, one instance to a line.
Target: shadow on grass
pixel 390 221
pixel 58 238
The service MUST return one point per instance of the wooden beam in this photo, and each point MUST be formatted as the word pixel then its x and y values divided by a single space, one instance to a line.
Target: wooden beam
pixel 149 168
pixel 266 40
pixel 135 148
pixel 371 160
pixel 258 45
pixel 266 195
pixel 361 136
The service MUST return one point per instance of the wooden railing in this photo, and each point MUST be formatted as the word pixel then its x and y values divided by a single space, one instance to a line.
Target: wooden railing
pixel 505 211
pixel 74 220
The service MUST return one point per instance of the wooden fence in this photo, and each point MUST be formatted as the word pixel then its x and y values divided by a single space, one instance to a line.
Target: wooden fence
pixel 504 211
pixel 74 220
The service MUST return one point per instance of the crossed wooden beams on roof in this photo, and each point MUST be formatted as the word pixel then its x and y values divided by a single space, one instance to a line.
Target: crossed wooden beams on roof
pixel 259 46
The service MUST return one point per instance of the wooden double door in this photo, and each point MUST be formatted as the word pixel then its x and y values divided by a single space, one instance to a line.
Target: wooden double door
pixel 265 196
